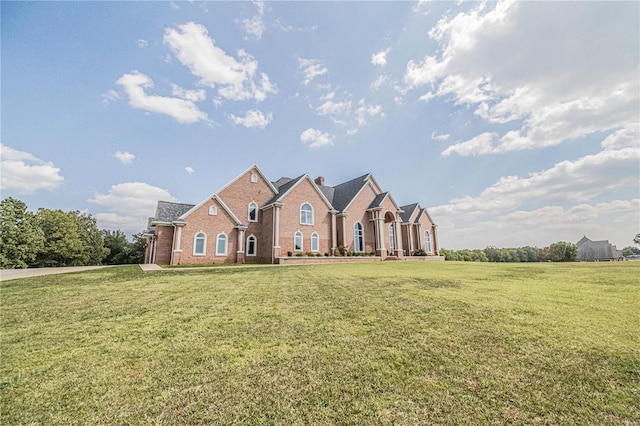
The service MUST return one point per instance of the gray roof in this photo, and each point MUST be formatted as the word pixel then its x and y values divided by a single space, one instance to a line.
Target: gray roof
pixel 377 201
pixel 283 188
pixel 407 212
pixel 345 192
pixel 328 192
pixel 280 182
pixel 168 211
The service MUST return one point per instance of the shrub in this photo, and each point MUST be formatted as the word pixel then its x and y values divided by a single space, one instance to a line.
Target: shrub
pixel 420 253
pixel 289 254
pixel 326 255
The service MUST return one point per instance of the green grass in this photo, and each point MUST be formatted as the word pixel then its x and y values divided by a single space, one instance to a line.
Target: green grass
pixel 376 343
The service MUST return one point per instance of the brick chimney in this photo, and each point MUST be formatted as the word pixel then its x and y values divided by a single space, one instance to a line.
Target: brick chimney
pixel 320 180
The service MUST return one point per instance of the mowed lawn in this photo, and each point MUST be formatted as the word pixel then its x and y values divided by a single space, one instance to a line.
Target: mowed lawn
pixel 375 343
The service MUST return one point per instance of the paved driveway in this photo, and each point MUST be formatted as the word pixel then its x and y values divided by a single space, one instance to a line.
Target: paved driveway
pixel 14 274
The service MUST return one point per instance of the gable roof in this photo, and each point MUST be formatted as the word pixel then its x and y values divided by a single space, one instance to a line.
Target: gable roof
pixel 167 212
pixel 407 211
pixel 256 168
pixel 222 204
pixel 426 213
pixel 288 187
pixel 344 193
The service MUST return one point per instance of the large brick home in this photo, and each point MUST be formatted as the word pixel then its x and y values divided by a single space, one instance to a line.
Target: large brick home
pixel 254 220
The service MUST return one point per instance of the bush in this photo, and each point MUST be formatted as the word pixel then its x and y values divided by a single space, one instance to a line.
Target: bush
pixel 289 254
pixel 420 253
pixel 326 255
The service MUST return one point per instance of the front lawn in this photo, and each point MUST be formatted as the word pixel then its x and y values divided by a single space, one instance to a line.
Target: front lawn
pixel 374 343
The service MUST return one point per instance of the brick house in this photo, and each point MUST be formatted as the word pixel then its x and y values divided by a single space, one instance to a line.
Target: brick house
pixel 254 220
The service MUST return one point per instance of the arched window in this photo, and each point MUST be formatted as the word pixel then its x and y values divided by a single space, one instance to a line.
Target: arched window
pixel 251 245
pixel 427 242
pixel 297 241
pixel 358 238
pixel 306 214
pixel 315 242
pixel 253 212
pixel 199 244
pixel 221 245
pixel 391 240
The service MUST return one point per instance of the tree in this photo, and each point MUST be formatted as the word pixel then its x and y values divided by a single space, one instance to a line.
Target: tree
pixel 563 252
pixel 20 236
pixel 636 239
pixel 94 250
pixel 630 251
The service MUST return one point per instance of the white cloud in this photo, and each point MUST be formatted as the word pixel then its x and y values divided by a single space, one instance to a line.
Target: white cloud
pixel 568 181
pixel 182 110
pixel 109 96
pixel 570 83
pixel 129 205
pixel 237 78
pixel 142 43
pixel 316 139
pixel 25 173
pixel 254 26
pixel 190 95
pixel 334 108
pixel 616 221
pixel 252 119
pixel 124 157
pixel 443 137
pixel 311 68
pixel 189 170
pixel 380 58
pixel 364 111
pixel 379 82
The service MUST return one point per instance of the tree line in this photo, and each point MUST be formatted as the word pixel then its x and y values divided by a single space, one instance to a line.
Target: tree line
pixel 560 251
pixel 50 238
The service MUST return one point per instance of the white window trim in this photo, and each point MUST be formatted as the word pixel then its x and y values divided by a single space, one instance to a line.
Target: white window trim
pixel 249 211
pixel 355 238
pixel 254 178
pixel 312 215
pixel 427 237
pixel 255 246
pixel 213 211
pixel 301 241
pixel 317 249
pixel 226 244
pixel 204 245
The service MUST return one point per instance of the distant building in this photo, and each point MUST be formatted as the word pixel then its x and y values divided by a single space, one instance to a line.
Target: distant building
pixel 594 251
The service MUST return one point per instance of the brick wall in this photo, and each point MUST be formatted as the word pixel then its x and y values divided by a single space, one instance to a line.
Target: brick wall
pixel 357 212
pixel 164 241
pixel 290 219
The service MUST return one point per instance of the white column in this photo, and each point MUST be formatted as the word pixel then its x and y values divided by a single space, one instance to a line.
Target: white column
pixel 334 232
pixel 276 230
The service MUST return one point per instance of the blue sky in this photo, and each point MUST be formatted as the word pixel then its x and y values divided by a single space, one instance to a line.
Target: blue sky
pixel 513 123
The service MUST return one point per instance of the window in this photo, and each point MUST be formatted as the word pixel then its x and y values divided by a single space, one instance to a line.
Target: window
pixel 427 242
pixel 199 244
pixel 358 238
pixel 213 210
pixel 254 178
pixel 253 212
pixel 315 245
pixel 306 214
pixel 391 240
pixel 251 245
pixel 297 241
pixel 221 245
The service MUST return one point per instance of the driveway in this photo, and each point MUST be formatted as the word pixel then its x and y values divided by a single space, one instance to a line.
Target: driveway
pixel 14 274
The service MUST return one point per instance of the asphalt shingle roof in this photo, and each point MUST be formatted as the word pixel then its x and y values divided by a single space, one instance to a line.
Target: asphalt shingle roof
pixel 378 200
pixel 407 212
pixel 168 211
pixel 345 192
